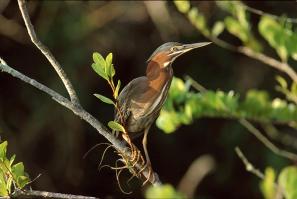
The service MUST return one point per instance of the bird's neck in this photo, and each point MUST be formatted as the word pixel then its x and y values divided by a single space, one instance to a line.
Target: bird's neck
pixel 158 76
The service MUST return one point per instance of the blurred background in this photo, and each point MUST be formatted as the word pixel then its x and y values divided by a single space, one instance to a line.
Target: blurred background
pixel 52 141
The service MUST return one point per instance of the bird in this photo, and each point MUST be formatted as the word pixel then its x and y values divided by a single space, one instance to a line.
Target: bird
pixel 141 100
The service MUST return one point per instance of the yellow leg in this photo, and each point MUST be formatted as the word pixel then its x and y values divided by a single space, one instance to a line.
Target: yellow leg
pixel 144 143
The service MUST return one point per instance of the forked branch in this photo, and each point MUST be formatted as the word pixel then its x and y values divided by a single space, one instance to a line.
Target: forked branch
pixel 47 53
pixel 72 104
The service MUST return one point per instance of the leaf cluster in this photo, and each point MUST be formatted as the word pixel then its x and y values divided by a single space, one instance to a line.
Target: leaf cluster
pixel 183 106
pixel 287 180
pixel 105 69
pixel 12 175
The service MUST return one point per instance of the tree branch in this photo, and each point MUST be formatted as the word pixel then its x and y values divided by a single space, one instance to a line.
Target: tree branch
pixel 266 142
pixel 72 104
pixel 248 166
pixel 31 194
pixel 47 53
pixel 82 113
pixel 281 66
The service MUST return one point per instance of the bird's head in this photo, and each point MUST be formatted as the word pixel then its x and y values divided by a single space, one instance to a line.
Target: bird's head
pixel 168 52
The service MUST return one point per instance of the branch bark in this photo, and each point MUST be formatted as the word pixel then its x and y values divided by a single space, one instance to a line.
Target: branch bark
pixel 32 194
pixel 72 104
pixel 47 53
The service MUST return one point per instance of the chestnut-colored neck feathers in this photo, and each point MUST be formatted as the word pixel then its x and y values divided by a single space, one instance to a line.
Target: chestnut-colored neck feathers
pixel 157 73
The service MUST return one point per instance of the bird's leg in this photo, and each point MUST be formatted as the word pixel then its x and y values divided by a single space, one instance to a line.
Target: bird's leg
pixel 144 144
pixel 147 158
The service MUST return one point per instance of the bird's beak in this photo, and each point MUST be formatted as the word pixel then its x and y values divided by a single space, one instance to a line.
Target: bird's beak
pixel 188 47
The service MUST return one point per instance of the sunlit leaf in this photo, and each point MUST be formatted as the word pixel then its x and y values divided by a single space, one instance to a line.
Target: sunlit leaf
pixel 275 34
pixel 198 20
pixel 235 28
pixel 282 82
pixel 98 59
pixel 100 71
pixel 3 148
pixel 182 6
pixel 116 126
pixel 217 28
pixel 268 184
pixel 104 99
pixel 109 70
pixel 116 92
pixel 288 181
pixel 165 191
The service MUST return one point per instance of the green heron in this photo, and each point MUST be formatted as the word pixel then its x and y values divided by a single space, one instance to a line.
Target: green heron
pixel 141 100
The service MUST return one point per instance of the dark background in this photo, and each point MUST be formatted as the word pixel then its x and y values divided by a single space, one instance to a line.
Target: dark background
pixel 52 141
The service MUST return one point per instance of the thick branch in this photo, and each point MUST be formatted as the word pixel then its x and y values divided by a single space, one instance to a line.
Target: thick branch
pixel 31 194
pixel 82 113
pixel 74 104
pixel 47 53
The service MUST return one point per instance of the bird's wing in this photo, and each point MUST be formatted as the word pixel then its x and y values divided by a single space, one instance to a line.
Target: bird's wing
pixel 125 96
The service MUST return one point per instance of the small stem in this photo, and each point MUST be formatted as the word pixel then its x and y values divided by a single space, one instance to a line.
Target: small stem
pixel 266 142
pixel 47 53
pixel 248 166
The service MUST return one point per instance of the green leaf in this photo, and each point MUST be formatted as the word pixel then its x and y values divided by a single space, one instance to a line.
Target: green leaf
pixel 99 65
pixel 3 149
pixel 19 174
pixel 116 92
pixel 182 6
pixel 267 184
pixel 98 59
pixel 22 181
pixel 108 68
pixel 165 191
pixel 282 82
pixel 104 99
pixel 235 28
pixel 294 88
pixel 18 169
pixel 11 160
pixel 288 181
pixel 198 20
pixel 275 34
pixel 116 126
pixel 218 28
pixel 99 70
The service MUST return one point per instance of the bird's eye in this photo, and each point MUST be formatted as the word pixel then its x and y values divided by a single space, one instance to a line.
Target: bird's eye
pixel 173 49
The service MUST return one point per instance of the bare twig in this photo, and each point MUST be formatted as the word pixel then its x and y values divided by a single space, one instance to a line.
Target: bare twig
pixel 261 13
pixel 31 194
pixel 248 166
pixel 47 53
pixel 251 168
pixel 266 142
pixel 281 66
pixel 284 67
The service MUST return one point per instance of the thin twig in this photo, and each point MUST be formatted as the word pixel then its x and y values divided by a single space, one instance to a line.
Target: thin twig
pixel 284 67
pixel 251 168
pixel 281 66
pixel 47 53
pixel 266 142
pixel 261 13
pixel 248 166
